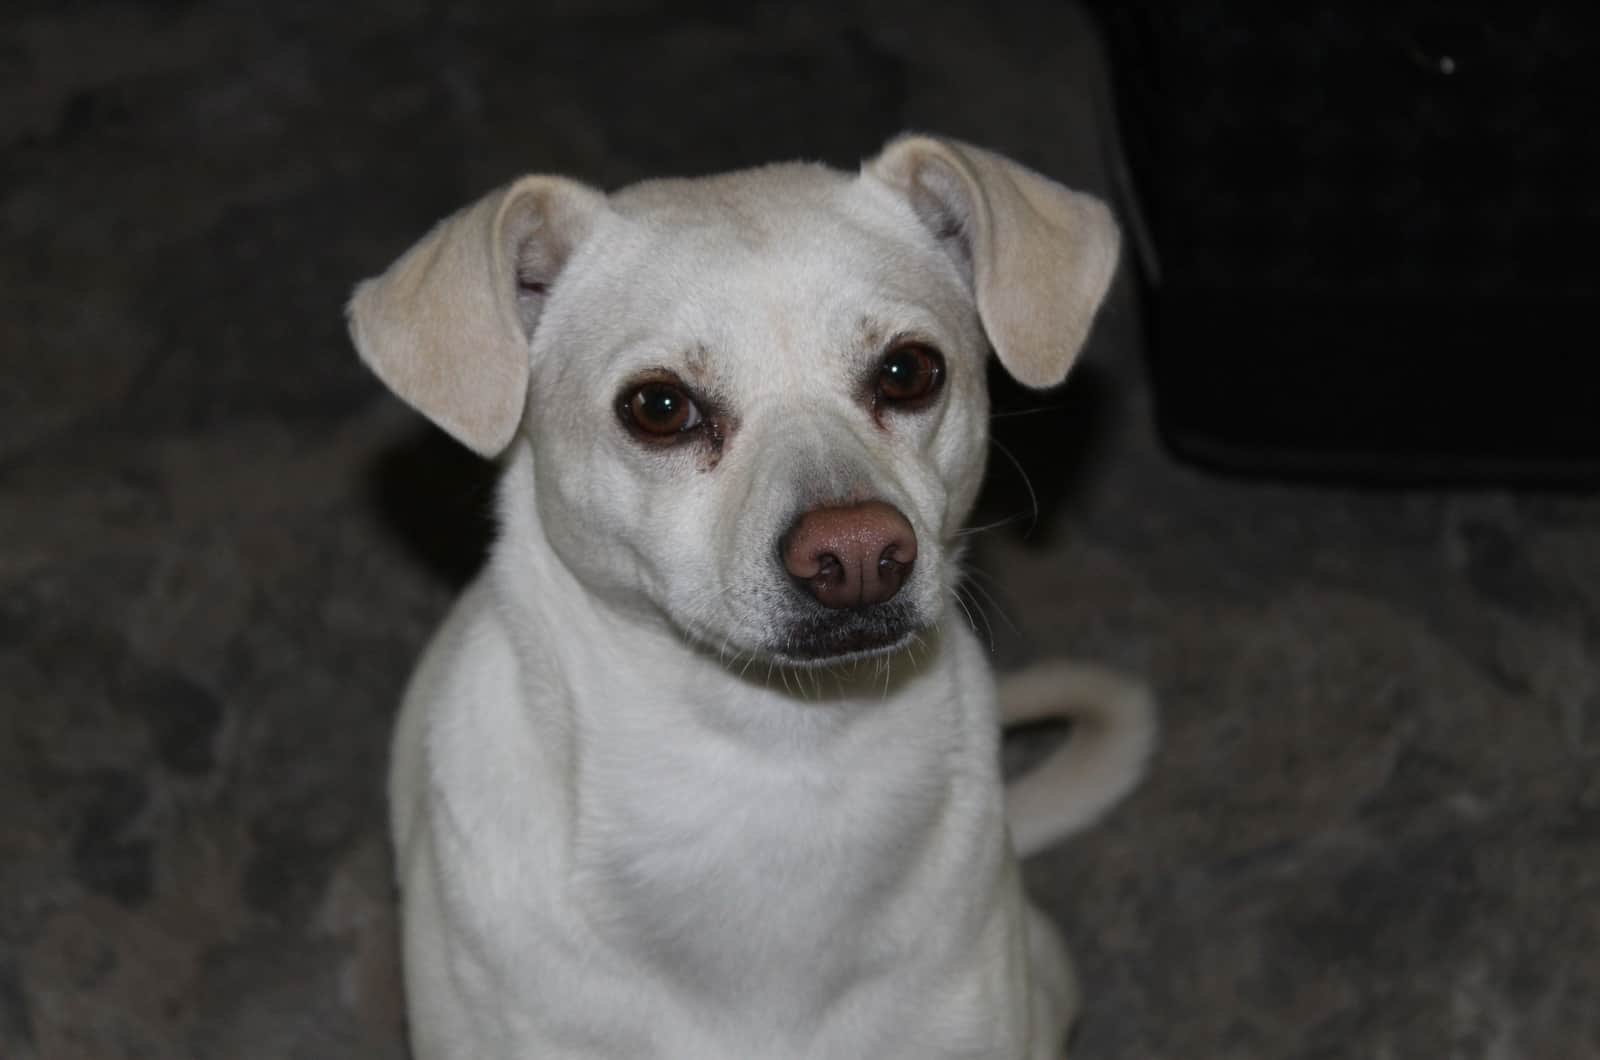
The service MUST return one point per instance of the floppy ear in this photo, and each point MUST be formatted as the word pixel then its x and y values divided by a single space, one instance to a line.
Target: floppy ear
pixel 447 327
pixel 1038 256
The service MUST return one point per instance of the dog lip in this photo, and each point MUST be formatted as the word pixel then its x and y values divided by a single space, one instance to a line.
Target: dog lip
pixel 861 643
pixel 841 636
pixel 792 657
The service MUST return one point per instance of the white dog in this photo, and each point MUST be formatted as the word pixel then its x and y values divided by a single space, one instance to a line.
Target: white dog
pixel 704 765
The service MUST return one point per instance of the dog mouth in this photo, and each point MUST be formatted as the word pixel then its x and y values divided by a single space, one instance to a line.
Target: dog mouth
pixel 845 636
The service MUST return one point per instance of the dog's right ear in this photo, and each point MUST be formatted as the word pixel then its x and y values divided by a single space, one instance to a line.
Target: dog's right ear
pixel 448 326
pixel 1039 257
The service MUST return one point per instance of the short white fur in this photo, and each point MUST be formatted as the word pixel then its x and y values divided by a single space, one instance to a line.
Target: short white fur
pixel 629 821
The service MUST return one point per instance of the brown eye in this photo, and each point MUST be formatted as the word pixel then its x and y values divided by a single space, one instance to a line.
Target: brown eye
pixel 661 410
pixel 909 375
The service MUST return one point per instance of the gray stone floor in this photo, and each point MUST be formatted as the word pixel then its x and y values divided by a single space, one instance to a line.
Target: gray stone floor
pixel 1374 826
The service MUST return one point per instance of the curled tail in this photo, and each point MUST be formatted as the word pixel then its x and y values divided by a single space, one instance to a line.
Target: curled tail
pixel 1113 732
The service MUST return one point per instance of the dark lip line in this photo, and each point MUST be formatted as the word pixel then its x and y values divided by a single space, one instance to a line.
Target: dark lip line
pixel 823 662
pixel 803 662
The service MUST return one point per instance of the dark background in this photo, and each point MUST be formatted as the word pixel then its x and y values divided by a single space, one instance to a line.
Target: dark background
pixel 1373 828
pixel 1368 234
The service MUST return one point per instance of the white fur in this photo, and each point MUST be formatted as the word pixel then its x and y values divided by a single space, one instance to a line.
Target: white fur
pixel 626 824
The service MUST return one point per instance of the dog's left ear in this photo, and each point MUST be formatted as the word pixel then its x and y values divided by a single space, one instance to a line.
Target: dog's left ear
pixel 1039 257
pixel 449 326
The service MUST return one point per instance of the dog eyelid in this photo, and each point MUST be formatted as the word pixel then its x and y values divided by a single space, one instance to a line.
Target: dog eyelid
pixel 907 377
pixel 659 409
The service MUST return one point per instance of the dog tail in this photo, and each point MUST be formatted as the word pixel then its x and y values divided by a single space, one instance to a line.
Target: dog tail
pixel 1113 721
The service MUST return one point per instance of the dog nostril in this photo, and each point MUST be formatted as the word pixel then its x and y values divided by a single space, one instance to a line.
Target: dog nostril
pixel 892 570
pixel 830 569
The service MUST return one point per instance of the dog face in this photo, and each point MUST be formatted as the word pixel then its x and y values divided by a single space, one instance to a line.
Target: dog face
pixel 734 349
pixel 756 402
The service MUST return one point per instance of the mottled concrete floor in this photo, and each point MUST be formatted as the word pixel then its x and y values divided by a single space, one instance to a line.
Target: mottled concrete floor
pixel 1373 829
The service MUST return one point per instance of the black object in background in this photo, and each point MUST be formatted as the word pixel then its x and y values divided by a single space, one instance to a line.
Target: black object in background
pixel 1370 235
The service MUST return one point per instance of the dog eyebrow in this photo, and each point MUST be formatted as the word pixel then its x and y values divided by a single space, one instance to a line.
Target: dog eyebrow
pixel 697 360
pixel 915 323
pixel 872 333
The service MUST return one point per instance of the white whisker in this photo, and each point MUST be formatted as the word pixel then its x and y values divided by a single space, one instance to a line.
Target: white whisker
pixel 975 613
pixel 994 604
pixel 1033 498
pixel 973 531
pixel 1012 414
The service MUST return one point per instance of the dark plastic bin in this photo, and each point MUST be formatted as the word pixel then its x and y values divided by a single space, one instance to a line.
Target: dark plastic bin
pixel 1370 237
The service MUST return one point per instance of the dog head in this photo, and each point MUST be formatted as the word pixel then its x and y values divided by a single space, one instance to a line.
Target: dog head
pixel 755 402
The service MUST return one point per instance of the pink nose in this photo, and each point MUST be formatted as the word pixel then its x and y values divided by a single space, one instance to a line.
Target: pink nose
pixel 852 556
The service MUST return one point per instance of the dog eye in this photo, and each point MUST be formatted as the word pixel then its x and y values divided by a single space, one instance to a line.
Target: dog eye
pixel 909 376
pixel 659 411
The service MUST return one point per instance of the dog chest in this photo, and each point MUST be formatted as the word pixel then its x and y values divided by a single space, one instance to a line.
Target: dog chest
pixel 751 877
